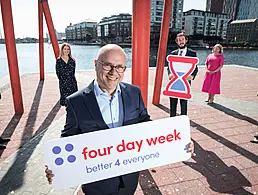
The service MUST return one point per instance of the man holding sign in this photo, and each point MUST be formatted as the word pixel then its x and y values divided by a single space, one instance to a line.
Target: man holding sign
pixel 106 103
pixel 181 40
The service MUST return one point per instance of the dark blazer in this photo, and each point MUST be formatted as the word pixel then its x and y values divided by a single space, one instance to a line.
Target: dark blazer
pixel 189 53
pixel 83 116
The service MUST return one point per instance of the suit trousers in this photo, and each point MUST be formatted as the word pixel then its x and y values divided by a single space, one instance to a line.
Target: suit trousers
pixel 173 106
pixel 112 186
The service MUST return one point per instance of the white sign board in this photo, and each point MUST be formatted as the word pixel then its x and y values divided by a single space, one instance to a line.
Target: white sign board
pixel 108 153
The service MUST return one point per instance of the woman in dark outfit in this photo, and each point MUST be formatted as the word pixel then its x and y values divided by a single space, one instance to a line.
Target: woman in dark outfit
pixel 65 71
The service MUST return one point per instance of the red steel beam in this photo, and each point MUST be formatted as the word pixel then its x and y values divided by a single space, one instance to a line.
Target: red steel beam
pixel 141 45
pixel 50 27
pixel 162 51
pixel 7 17
pixel 41 41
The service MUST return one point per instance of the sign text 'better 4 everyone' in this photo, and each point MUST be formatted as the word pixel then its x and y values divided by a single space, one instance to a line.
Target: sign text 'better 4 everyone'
pixel 108 153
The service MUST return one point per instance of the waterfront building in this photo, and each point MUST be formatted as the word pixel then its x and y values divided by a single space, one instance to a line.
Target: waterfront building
pixel 60 36
pixel 197 22
pixel 208 5
pixel 26 40
pixel 115 29
pixel 248 9
pixel 69 32
pixel 175 25
pixel 238 9
pixel 83 31
pixel 215 6
pixel 175 17
pixel 243 31
pixel 1 37
pixel 230 7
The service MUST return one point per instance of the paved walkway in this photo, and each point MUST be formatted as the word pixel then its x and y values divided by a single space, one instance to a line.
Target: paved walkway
pixel 226 162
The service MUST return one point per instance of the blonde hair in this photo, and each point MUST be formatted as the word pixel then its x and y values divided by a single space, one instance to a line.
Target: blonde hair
pixel 62 53
pixel 219 46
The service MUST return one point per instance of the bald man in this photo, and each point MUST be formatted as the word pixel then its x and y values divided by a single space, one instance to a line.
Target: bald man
pixel 91 109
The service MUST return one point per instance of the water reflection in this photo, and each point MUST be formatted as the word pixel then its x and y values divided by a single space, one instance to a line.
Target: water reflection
pixel 28 57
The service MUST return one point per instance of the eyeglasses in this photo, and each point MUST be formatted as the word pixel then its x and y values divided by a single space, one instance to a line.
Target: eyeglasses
pixel 108 66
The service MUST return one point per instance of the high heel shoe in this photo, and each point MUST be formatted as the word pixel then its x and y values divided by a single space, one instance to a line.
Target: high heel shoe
pixel 210 101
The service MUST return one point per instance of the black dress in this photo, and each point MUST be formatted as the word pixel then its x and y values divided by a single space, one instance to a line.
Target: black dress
pixel 67 81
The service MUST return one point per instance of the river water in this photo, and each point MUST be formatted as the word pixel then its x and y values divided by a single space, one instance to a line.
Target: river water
pixel 28 57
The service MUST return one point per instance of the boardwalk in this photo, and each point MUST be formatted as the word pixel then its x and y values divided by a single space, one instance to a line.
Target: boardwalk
pixel 226 161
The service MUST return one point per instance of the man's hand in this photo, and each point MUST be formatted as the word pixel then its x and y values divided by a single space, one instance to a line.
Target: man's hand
pixel 49 175
pixel 170 76
pixel 190 148
pixel 189 78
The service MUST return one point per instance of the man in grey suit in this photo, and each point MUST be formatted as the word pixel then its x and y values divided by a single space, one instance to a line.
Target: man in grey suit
pixel 181 40
pixel 106 103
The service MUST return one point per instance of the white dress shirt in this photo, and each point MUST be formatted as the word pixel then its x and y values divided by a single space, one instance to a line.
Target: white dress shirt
pixel 184 51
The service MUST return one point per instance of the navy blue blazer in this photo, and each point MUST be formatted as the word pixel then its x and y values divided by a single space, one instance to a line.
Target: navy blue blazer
pixel 83 116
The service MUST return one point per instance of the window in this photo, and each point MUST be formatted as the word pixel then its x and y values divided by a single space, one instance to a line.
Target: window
pixel 159 3
pixel 106 30
pixel 158 18
pixel 159 13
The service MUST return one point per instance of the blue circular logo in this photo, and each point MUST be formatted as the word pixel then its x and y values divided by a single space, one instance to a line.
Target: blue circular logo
pixel 71 158
pixel 69 147
pixel 59 161
pixel 56 150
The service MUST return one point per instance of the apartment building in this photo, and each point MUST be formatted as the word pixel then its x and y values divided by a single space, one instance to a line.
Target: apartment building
pixel 205 23
pixel 243 31
pixel 116 28
pixel 82 31
pixel 157 7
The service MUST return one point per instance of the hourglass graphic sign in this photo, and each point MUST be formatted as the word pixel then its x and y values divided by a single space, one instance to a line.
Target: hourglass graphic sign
pixel 181 67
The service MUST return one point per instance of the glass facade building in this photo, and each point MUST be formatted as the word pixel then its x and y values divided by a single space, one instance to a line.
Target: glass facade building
pixel 248 9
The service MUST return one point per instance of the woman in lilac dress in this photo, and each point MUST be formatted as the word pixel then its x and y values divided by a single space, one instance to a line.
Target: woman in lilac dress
pixel 214 63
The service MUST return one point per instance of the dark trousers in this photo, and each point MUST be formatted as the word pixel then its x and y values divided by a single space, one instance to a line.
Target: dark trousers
pixel 121 191
pixel 173 106
pixel 113 186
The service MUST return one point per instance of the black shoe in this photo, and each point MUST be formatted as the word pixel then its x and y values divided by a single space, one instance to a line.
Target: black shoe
pixel 254 141
pixel 2 146
pixel 3 140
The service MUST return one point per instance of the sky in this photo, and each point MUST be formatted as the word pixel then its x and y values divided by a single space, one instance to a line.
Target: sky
pixel 64 12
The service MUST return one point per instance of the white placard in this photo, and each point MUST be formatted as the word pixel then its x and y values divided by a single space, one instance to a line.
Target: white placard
pixel 107 153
